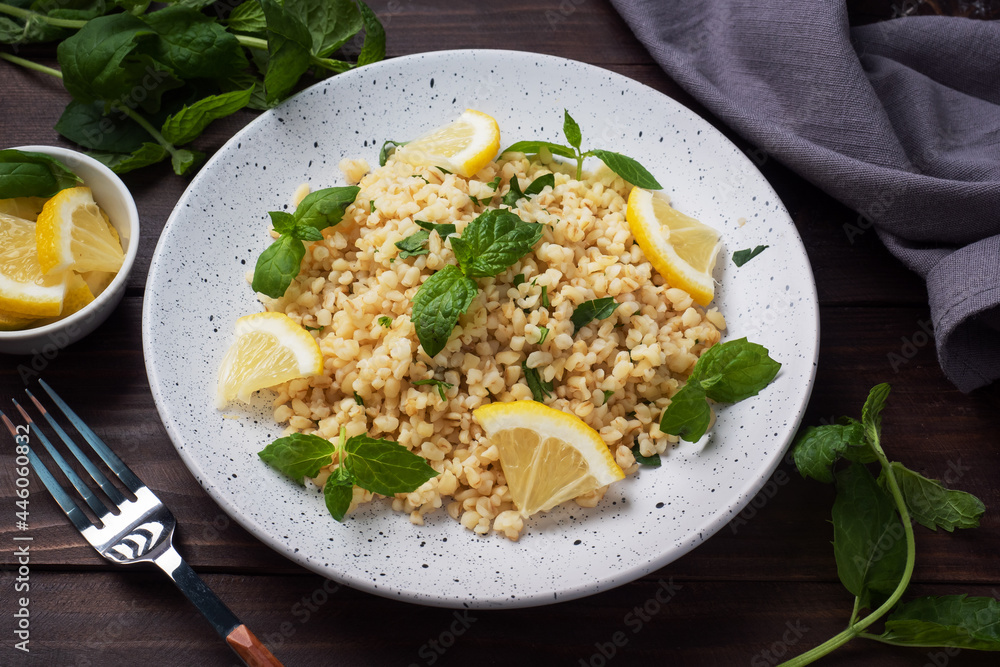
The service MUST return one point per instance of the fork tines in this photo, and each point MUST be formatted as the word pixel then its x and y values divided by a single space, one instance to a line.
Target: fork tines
pixel 66 502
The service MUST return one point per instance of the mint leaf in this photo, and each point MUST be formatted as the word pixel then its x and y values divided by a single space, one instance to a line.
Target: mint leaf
pixel 29 174
pixel 608 393
pixel 518 279
pixel 306 233
pixel 545 295
pixel 190 121
pixel 299 455
pixel 248 17
pixel 688 414
pixel 868 539
pixel 288 45
pixel 193 45
pixel 741 257
pixel 651 461
pixel 932 505
pixel 182 160
pixel 734 370
pixel 540 389
pixel 513 193
pixel 627 168
pixel 494 241
pixel 539 184
pixel 819 447
pixel 544 335
pixel 373 48
pixel 121 163
pixel 330 22
pixel 91 127
pixel 494 184
pixel 338 492
pixel 871 413
pixel 387 150
pixel 278 265
pixel 385 467
pixel 413 245
pixel 949 620
pixel 595 309
pixel 385 321
pixel 529 147
pixel 438 304
pixel 325 208
pixel 357 399
pixel 572 130
pixel 282 221
pixel 441 386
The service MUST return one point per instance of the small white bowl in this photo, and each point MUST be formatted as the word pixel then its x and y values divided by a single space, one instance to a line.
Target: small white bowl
pixel 115 200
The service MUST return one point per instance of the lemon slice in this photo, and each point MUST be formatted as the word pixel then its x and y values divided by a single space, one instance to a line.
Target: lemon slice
pixel 13 321
pixel 270 348
pixel 24 290
pixel 679 247
pixel 73 233
pixel 23 207
pixel 463 146
pixel 548 456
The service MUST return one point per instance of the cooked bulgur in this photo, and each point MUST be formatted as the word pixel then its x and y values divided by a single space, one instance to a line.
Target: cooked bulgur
pixel 354 277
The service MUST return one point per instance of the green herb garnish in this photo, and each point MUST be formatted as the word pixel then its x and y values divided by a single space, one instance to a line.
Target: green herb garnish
pixel 418 176
pixel 280 263
pixel 514 193
pixel 545 295
pixel 873 539
pixel 413 244
pixel 357 399
pixel 388 148
pixel 545 334
pixel 518 279
pixel 494 184
pixel 308 328
pixel 650 461
pixel 728 373
pixel 371 205
pixel 741 257
pixel 624 166
pixel 29 174
pixel 595 309
pixel 385 321
pixel 443 230
pixel 493 241
pixel 608 393
pixel 540 389
pixel 380 466
pixel 440 384
pixel 190 67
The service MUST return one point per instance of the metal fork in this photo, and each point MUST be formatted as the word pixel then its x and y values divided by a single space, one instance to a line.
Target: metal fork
pixel 141 530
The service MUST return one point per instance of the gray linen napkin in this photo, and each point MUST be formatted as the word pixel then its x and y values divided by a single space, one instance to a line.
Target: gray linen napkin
pixel 899 120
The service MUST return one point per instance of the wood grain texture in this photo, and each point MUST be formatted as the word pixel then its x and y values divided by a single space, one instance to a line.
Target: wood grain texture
pixel 764 588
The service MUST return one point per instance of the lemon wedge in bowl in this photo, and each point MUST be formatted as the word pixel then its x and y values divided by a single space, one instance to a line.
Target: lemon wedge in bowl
pixel 463 146
pixel 682 249
pixel 73 233
pixel 25 292
pixel 548 456
pixel 270 348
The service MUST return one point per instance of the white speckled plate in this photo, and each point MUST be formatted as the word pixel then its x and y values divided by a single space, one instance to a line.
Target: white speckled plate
pixel 196 290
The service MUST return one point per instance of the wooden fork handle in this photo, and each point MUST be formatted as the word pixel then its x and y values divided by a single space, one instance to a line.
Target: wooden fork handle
pixel 248 647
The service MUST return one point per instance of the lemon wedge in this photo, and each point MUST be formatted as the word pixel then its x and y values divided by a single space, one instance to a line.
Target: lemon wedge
pixel 463 146
pixel 23 207
pixel 73 233
pixel 679 247
pixel 25 292
pixel 13 321
pixel 270 348
pixel 548 456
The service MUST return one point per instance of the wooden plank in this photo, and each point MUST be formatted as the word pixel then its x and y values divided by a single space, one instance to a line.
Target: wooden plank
pixel 309 621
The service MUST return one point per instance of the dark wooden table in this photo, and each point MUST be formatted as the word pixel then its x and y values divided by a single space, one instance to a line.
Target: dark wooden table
pixel 765 587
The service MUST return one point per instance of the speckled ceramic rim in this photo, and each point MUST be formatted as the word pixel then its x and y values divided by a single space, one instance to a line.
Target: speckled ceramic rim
pixel 88 318
pixel 527 573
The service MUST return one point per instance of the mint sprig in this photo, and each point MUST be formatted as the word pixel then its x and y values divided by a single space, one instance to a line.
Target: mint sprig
pixel 380 466
pixel 874 544
pixel 624 166
pixel 279 264
pixel 490 244
pixel 728 372
pixel 588 311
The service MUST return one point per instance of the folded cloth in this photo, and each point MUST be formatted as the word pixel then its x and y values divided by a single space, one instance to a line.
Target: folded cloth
pixel 900 120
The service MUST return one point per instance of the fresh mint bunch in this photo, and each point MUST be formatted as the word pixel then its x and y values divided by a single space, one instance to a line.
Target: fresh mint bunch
pixel 146 82
pixel 278 265
pixel 380 466
pixel 491 243
pixel 624 166
pixel 873 540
